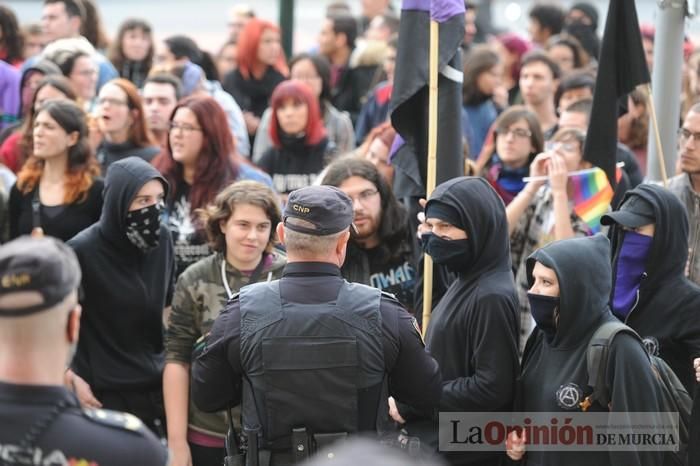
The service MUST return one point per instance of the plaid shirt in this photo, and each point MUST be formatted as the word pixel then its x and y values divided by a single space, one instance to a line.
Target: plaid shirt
pixel 535 229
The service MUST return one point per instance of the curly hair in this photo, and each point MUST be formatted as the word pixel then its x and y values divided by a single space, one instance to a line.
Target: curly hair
pixel 82 166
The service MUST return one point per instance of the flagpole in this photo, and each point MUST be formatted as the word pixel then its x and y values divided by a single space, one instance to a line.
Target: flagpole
pixel 431 173
pixel 657 136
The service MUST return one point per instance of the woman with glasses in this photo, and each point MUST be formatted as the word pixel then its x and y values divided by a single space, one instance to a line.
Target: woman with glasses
pixel 518 139
pixel 199 162
pixel 314 71
pixel 121 121
pixel 543 211
pixel 58 191
pixel 300 150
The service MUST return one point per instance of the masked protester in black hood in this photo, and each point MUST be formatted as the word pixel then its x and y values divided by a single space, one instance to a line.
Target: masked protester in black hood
pixel 651 294
pixel 128 270
pixel 570 284
pixel 473 331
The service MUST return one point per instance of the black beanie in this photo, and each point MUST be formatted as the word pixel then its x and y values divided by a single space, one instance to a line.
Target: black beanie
pixel 437 209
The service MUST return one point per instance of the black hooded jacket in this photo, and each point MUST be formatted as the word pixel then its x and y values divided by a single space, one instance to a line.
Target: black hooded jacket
pixel 473 331
pixel 667 312
pixel 125 290
pixel 583 271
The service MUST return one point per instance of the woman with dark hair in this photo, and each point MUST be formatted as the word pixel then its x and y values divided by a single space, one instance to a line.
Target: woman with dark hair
pixel 11 43
pixel 300 146
pixel 121 121
pixel 91 26
pixel 58 190
pixel 483 70
pixel 198 164
pixel 382 246
pixel 518 140
pixel 261 67
pixel 18 146
pixel 315 71
pixel 567 52
pixel 240 225
pixel 132 51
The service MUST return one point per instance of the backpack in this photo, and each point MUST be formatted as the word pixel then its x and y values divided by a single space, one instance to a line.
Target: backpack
pixel 674 396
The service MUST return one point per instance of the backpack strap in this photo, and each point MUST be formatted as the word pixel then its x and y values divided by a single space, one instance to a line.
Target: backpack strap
pixel 597 360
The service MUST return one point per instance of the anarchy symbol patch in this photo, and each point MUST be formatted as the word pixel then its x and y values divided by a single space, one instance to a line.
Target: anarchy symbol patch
pixel 651 344
pixel 569 396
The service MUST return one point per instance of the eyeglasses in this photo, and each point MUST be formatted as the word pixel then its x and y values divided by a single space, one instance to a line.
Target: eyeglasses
pixel 516 132
pixel 183 127
pixel 684 135
pixel 568 147
pixel 364 196
pixel 111 101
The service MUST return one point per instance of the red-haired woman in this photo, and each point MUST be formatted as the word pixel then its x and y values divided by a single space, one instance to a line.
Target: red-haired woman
pixel 299 152
pixel 261 67
pixel 121 121
pixel 58 189
pixel 199 162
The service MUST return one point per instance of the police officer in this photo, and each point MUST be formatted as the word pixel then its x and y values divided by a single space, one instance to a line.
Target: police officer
pixel 41 422
pixel 312 357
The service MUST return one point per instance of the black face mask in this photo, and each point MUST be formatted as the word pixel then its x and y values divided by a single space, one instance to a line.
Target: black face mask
pixel 543 309
pixel 453 254
pixel 143 226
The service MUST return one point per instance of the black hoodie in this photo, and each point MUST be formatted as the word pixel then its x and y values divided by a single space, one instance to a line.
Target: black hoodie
pixel 125 290
pixel 473 331
pixel 667 313
pixel 583 270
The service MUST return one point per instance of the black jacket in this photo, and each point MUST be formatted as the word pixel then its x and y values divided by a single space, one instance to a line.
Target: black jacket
pixel 351 89
pixel 667 313
pixel 252 95
pixel 473 331
pixel 125 290
pixel 108 153
pixel 294 165
pixel 583 271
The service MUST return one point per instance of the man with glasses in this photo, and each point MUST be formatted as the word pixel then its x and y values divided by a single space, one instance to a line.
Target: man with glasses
pixel 381 254
pixel 687 185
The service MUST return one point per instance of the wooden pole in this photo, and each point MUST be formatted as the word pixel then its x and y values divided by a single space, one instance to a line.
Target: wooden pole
pixel 432 163
pixel 657 136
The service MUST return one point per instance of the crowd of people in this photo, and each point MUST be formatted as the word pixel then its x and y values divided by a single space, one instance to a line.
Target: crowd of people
pixel 171 172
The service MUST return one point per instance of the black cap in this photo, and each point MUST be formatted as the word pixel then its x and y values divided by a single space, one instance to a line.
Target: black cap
pixel 46 266
pixel 325 210
pixel 635 212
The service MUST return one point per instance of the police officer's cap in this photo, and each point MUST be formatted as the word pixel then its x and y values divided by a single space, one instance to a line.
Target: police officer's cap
pixel 318 210
pixel 635 212
pixel 45 266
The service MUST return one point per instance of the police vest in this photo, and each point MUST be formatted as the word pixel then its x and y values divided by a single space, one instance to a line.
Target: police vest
pixel 305 363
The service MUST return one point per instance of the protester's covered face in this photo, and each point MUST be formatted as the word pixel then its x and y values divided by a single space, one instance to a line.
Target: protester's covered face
pixel 159 101
pixel 151 193
pixel 378 154
pixel 514 144
pixel 270 47
pixel 247 233
pixel 445 230
pixel 545 281
pixel 47 92
pixel 367 205
pixel 574 95
pixel 305 71
pixel 49 138
pixel 689 147
pixel 562 56
pixel 292 116
pixel 113 113
pixel 135 44
pixel 536 83
pixel 186 136
pixel 83 76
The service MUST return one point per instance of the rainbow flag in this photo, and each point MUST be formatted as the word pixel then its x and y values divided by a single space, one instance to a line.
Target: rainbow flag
pixel 591 194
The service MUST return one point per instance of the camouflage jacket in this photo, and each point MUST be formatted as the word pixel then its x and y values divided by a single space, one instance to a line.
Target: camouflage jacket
pixel 199 298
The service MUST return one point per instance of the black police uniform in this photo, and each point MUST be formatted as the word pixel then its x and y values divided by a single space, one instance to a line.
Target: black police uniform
pixel 320 353
pixel 45 425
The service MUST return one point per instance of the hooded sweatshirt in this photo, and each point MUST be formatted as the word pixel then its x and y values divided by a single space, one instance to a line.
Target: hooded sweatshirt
pixel 553 369
pixel 473 331
pixel 125 290
pixel 667 312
